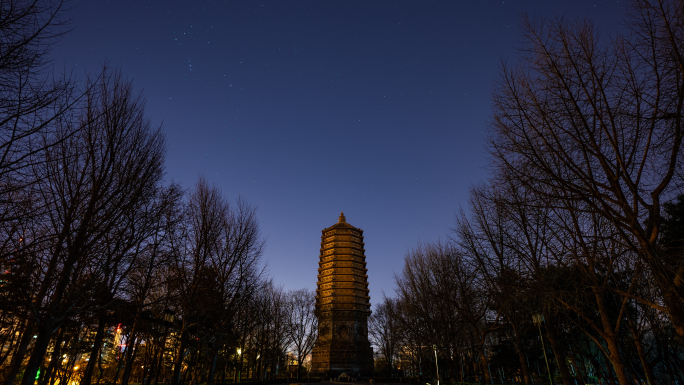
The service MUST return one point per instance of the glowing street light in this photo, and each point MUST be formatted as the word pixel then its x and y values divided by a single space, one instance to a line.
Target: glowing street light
pixel 239 351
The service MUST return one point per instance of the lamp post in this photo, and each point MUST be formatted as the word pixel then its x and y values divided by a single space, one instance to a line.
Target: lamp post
pixel 258 367
pixel 239 352
pixel 434 347
pixel 538 319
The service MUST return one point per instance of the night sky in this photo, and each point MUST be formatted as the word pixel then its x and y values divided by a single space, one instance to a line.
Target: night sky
pixel 308 108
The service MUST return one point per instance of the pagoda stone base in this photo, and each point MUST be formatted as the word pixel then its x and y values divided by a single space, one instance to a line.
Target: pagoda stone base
pixel 333 359
pixel 342 345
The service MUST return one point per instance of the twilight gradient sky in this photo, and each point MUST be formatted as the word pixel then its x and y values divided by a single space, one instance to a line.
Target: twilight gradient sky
pixel 308 108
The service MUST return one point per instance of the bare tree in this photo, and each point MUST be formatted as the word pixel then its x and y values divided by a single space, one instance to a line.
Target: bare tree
pixel 147 279
pixel 31 101
pixel 384 331
pixel 269 335
pixel 602 124
pixel 32 98
pixel 216 264
pixel 94 185
pixel 491 240
pixel 302 325
pixel 444 301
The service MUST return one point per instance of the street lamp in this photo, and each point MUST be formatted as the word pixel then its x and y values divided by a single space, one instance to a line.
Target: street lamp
pixel 538 319
pixel 434 347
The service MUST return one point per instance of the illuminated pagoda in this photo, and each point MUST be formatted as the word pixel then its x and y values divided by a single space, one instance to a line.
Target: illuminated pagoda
pixel 342 304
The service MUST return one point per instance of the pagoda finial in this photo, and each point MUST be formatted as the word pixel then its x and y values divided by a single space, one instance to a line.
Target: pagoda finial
pixel 342 218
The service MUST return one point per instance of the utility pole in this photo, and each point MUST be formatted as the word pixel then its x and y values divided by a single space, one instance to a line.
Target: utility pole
pixel 434 347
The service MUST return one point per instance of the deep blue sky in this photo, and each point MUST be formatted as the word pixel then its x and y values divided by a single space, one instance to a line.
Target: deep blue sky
pixel 308 108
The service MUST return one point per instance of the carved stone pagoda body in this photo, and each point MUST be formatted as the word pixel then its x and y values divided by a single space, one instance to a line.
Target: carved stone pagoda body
pixel 342 304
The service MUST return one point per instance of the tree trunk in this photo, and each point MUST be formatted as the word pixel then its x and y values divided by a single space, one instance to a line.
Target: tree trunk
pixel 560 356
pixel 212 372
pixel 18 358
pixel 45 331
pixel 128 366
pixel 672 297
pixel 157 363
pixel 175 378
pixel 648 370
pixel 146 367
pixel 130 352
pixel 94 352
pixel 11 341
pixel 299 362
pixel 99 369
pixel 54 359
pixel 483 361
pixel 118 369
pixel 196 366
pixel 616 361
pixel 522 359
pixel 611 341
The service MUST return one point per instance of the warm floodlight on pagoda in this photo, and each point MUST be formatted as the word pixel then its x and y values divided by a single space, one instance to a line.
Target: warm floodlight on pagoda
pixel 342 304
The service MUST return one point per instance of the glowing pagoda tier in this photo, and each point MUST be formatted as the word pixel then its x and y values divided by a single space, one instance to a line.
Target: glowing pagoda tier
pixel 342 304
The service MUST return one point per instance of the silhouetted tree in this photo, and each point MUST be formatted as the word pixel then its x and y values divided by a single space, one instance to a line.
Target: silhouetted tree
pixel 216 255
pixel 384 331
pixel 301 327
pixel 95 184
pixel 598 127
pixel 444 302
pixel 30 98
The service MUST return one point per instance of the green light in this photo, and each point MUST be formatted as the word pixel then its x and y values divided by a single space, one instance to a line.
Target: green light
pixel 38 374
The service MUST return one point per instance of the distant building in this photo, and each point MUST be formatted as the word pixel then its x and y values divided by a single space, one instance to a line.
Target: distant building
pixel 342 304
